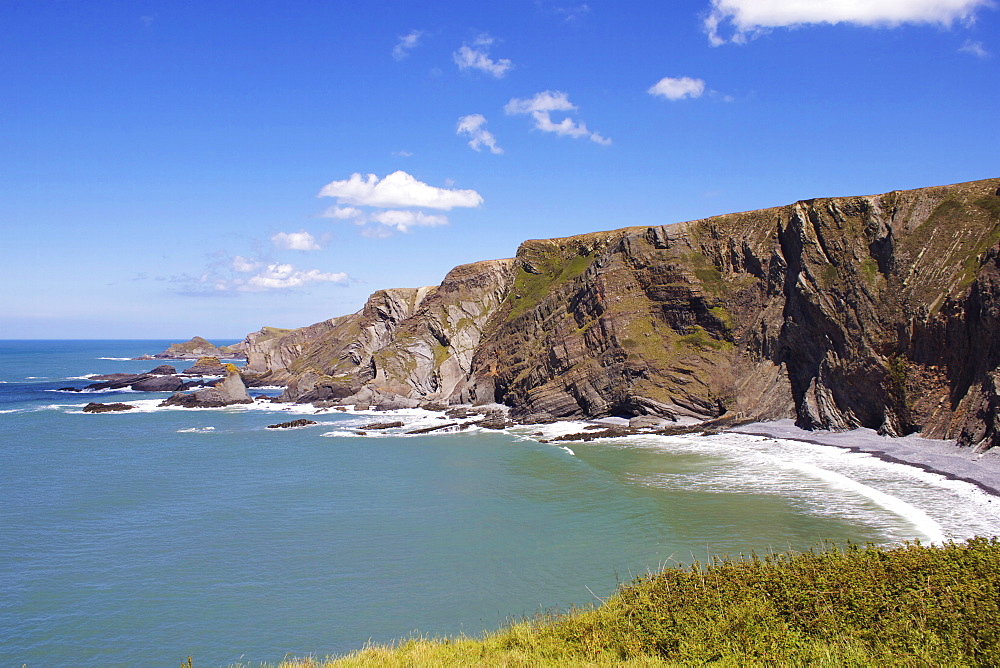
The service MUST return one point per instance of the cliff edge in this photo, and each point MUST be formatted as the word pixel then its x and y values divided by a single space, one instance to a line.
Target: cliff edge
pixel 876 311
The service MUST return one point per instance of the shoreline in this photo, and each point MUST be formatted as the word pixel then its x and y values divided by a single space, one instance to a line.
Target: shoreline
pixel 941 457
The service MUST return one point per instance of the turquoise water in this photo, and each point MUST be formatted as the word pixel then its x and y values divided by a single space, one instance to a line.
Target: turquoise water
pixel 141 538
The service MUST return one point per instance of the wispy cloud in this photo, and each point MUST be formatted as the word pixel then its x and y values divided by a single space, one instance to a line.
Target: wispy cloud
pixel 472 126
pixel 677 88
pixel 540 108
pixel 475 56
pixel 974 48
pixel 748 18
pixel 406 44
pixel 573 13
pixel 405 220
pixel 300 240
pixel 239 274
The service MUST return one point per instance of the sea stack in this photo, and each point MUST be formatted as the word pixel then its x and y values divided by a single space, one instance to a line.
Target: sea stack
pixel 230 390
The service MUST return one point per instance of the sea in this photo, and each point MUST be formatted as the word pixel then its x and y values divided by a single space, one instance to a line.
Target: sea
pixel 145 537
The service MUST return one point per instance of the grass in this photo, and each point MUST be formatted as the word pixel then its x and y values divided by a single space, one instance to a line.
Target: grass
pixel 860 606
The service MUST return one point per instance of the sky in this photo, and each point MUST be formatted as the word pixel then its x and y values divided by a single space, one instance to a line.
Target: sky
pixel 172 168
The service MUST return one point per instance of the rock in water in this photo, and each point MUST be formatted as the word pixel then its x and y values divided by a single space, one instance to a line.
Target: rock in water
pixel 301 422
pixel 206 366
pixel 230 390
pixel 158 384
pixel 194 349
pixel 94 407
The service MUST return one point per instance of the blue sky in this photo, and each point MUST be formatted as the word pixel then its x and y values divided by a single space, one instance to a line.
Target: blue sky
pixel 171 168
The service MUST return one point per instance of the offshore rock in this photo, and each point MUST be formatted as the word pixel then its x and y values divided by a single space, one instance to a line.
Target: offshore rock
pixel 228 391
pixel 876 311
pixel 94 407
pixel 206 366
pixel 195 348
pixel 301 422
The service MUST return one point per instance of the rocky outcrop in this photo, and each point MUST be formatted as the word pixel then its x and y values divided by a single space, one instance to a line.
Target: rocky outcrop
pixel 195 348
pixel 228 391
pixel 877 311
pixel 206 366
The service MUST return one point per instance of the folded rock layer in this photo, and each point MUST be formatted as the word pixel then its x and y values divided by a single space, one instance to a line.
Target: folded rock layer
pixel 878 311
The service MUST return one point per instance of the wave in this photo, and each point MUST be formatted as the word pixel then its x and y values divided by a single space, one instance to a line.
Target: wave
pixel 196 430
pixel 106 390
pixel 117 359
pixel 86 376
pixel 901 501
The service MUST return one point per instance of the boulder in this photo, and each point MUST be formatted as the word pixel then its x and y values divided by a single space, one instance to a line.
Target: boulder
pixel 163 370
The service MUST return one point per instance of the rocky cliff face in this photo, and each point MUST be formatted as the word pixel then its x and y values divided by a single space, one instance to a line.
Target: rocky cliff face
pixel 877 311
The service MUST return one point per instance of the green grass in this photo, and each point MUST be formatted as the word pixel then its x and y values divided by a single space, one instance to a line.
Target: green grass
pixel 530 289
pixel 862 606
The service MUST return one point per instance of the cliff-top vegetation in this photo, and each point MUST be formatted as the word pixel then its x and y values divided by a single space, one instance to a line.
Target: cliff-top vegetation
pixel 859 606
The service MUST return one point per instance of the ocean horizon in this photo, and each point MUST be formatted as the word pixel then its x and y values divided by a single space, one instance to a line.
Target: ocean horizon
pixel 147 536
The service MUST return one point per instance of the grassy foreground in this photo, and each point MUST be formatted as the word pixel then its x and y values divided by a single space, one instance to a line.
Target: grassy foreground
pixel 909 605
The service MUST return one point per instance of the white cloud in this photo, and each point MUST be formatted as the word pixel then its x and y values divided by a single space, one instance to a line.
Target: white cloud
pixel 397 190
pixel 406 44
pixel 541 106
pixel 678 88
pixel 265 276
pixel 472 127
pixel 404 220
pixel 284 276
pixel 402 154
pixel 476 57
pixel 300 240
pixel 750 17
pixel 975 48
pixel 244 265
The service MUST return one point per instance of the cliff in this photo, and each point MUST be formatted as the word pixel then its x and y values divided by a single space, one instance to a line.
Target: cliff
pixel 876 311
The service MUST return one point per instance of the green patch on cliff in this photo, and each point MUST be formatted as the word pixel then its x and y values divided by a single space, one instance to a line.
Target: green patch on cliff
pixel 722 314
pixel 990 204
pixel 441 353
pixel 706 272
pixel 700 339
pixel 553 272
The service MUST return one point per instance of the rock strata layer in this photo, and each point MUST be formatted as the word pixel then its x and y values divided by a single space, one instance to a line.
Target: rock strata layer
pixel 877 311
